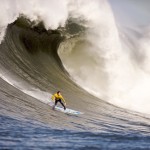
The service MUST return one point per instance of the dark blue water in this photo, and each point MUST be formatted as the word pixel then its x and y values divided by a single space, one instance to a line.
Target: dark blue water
pixel 26 134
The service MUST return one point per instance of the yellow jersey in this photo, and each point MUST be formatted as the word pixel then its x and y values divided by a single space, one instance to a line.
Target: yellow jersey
pixel 56 96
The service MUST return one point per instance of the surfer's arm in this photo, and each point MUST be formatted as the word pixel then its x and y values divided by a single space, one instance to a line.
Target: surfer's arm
pixel 63 100
pixel 53 97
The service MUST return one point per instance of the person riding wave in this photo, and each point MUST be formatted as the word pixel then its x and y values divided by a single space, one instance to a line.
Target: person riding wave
pixel 59 98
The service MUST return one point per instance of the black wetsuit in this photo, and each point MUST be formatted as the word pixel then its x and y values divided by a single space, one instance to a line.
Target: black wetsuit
pixel 59 100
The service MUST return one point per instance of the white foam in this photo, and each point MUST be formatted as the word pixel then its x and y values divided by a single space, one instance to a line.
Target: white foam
pixel 106 65
pixel 42 96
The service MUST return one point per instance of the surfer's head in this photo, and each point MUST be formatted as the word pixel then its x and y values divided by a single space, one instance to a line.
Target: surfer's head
pixel 58 92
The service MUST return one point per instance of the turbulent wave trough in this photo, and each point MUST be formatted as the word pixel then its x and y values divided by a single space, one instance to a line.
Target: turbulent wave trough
pixel 95 52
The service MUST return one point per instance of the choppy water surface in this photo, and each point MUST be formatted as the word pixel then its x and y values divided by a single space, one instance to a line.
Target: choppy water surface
pixel 17 134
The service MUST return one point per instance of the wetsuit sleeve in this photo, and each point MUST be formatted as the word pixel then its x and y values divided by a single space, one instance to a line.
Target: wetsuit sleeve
pixel 63 99
pixel 53 97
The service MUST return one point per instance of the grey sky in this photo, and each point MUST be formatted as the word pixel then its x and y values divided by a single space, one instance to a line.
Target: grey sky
pixel 131 12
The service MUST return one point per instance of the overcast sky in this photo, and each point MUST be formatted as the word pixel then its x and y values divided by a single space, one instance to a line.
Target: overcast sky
pixel 128 12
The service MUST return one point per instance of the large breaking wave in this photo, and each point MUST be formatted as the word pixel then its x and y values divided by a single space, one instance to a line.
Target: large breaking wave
pixel 101 53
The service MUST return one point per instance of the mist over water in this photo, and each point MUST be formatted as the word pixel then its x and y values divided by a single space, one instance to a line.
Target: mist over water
pixel 110 58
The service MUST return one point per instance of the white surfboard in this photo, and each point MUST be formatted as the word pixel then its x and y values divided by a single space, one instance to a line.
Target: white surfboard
pixel 67 111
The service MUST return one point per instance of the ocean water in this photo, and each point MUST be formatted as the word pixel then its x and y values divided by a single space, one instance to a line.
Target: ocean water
pixel 95 53
pixel 18 134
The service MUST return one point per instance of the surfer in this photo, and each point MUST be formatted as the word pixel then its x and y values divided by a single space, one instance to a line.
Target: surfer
pixel 58 98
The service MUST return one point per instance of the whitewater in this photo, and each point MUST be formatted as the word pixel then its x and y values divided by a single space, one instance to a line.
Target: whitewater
pixel 96 52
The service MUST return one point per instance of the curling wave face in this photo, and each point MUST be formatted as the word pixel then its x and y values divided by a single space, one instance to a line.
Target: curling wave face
pixel 29 61
pixel 97 54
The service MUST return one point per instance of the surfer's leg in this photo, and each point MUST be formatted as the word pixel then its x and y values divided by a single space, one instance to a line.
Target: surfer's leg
pixel 56 101
pixel 63 104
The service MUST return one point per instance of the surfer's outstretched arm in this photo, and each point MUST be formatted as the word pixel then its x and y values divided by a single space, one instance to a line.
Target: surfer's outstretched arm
pixel 63 100
pixel 53 97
